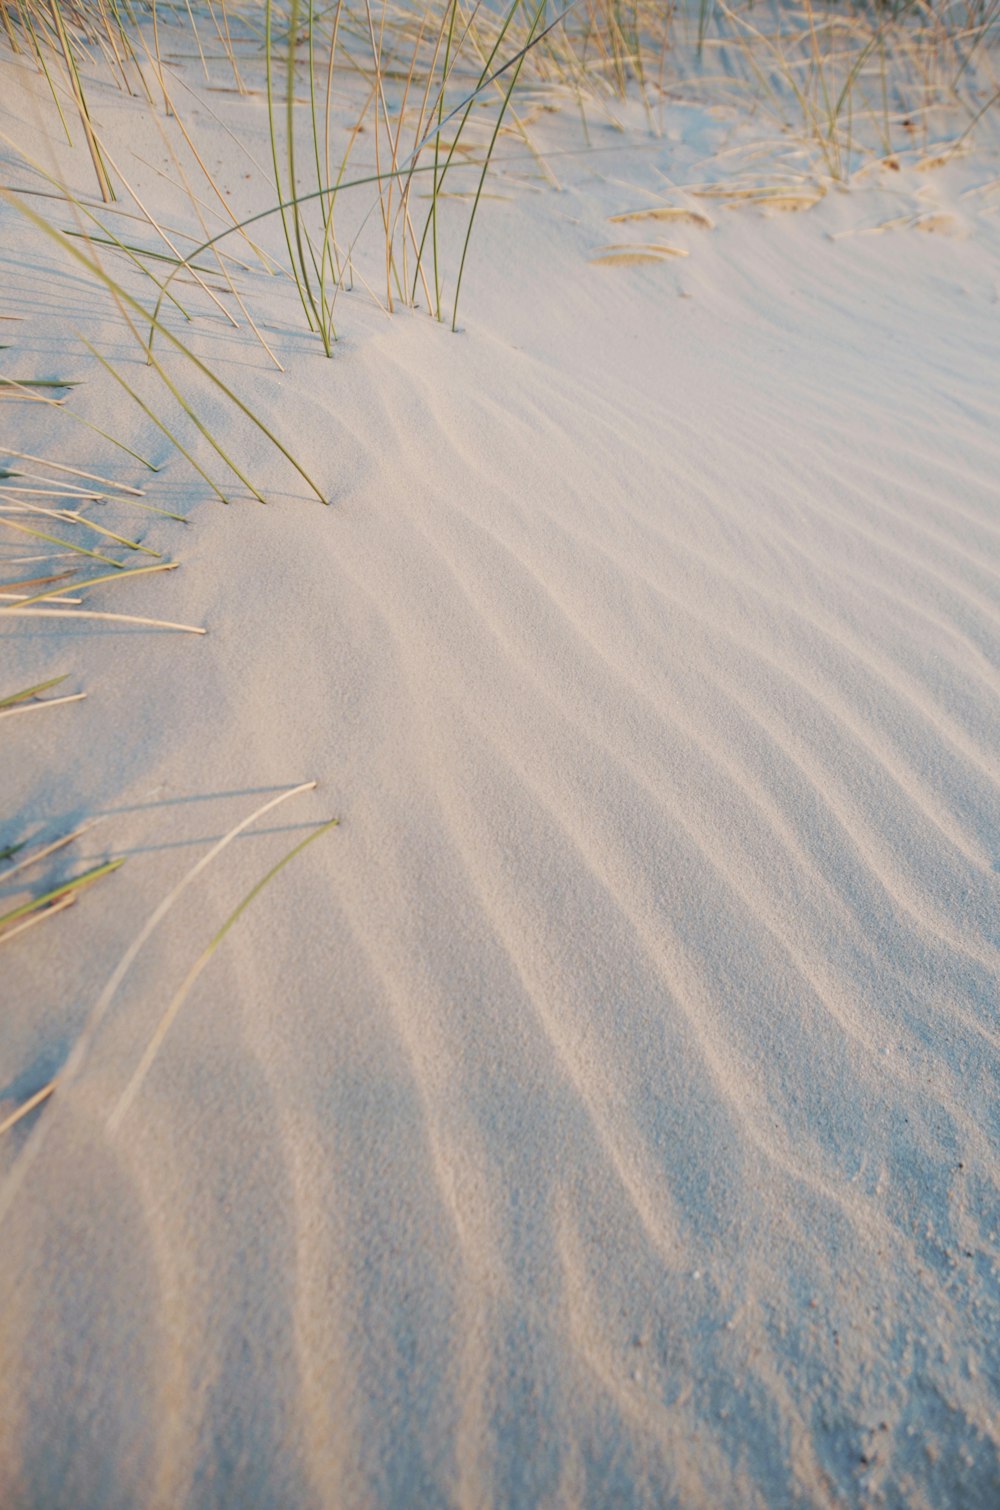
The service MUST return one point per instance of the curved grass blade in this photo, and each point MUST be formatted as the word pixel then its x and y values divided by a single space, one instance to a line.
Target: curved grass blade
pixel 489 153
pixel 178 1000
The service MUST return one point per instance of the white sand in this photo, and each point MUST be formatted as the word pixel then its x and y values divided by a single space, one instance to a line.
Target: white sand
pixel 605 1113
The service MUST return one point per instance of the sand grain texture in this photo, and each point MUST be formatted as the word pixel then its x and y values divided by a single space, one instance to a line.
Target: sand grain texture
pixel 605 1113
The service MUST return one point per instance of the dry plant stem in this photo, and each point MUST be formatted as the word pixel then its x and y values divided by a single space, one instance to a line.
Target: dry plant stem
pixel 34 919
pixel 437 154
pixel 178 256
pixel 40 58
pixel 960 143
pixel 521 130
pixel 22 597
pixel 122 487
pixel 107 192
pixel 52 487
pixel 118 576
pixel 846 96
pixel 65 516
pixel 346 268
pixel 301 279
pixel 197 39
pixel 152 508
pixel 228 43
pixel 156 53
pixel 59 891
pixel 46 1090
pixel 485 80
pixel 801 98
pixel 46 702
pixel 378 178
pixel 408 168
pixel 157 421
pixel 111 439
pixel 198 205
pixel 24 583
pixel 114 618
pixel 301 234
pixel 421 117
pixel 489 153
pixel 126 299
pixel 164 907
pixel 163 1027
pixel 403 212
pixel 78 1056
pixel 83 209
pixel 72 516
pixel 48 557
pixel 323 170
pixel 384 194
pixel 38 855
pixel 440 174
pixel 220 196
pixel 118 294
pixel 267 263
pixel 25 529
pixel 9 29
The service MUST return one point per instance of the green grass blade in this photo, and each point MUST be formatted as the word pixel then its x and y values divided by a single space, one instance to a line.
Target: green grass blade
pixel 58 892
pixel 20 697
pixel 489 153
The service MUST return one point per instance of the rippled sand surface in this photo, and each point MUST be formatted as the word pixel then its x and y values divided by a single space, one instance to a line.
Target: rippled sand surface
pixel 606 1113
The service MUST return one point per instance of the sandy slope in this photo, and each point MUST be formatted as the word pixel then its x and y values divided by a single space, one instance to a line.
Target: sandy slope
pixel 607 1112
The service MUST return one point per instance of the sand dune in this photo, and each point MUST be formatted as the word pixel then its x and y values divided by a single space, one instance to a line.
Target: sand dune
pixel 606 1112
